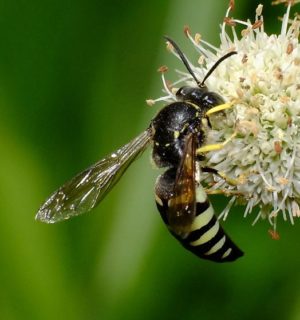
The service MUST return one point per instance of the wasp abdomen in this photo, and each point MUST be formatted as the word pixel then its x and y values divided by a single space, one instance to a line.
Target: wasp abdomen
pixel 206 237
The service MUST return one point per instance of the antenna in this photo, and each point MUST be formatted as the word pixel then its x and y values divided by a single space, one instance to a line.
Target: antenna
pixel 212 69
pixel 184 60
pixel 187 65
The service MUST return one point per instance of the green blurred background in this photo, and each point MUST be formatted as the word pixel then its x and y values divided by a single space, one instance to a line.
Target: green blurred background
pixel 74 76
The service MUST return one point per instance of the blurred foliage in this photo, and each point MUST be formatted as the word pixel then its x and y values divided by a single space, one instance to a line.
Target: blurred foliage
pixel 74 76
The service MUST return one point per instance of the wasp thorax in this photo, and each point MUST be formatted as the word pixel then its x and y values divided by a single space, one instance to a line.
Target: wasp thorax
pixel 171 125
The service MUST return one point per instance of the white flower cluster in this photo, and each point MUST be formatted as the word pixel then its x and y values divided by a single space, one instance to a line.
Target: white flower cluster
pixel 263 82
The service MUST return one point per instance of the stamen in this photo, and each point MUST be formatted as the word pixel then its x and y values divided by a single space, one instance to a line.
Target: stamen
pixel 244 23
pixel 226 16
pixel 257 218
pixel 217 50
pixel 290 212
pixel 225 212
pixel 185 77
pixel 167 89
pixel 270 187
pixel 285 21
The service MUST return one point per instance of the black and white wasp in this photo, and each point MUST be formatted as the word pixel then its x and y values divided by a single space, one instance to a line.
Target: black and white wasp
pixel 177 134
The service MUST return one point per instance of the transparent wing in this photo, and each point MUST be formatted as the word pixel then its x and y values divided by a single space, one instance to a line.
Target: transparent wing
pixel 88 188
pixel 182 207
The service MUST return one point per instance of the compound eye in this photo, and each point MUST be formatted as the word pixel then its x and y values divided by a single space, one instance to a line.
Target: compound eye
pixel 212 99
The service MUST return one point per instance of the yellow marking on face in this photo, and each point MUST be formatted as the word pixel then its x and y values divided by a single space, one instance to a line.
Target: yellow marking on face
pixel 227 253
pixel 218 108
pixel 158 200
pixel 203 219
pixel 204 122
pixel 176 134
pixel 217 246
pixel 207 236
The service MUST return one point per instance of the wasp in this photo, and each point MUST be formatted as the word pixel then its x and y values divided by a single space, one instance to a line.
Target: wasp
pixel 177 134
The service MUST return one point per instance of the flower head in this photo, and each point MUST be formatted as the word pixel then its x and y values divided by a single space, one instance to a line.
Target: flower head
pixel 260 166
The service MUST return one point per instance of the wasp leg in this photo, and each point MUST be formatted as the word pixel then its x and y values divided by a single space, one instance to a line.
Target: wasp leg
pixel 231 181
pixel 209 170
pixel 224 192
pixel 214 147
pixel 218 108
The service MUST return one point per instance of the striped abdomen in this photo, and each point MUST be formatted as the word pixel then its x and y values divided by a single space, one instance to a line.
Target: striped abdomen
pixel 206 237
